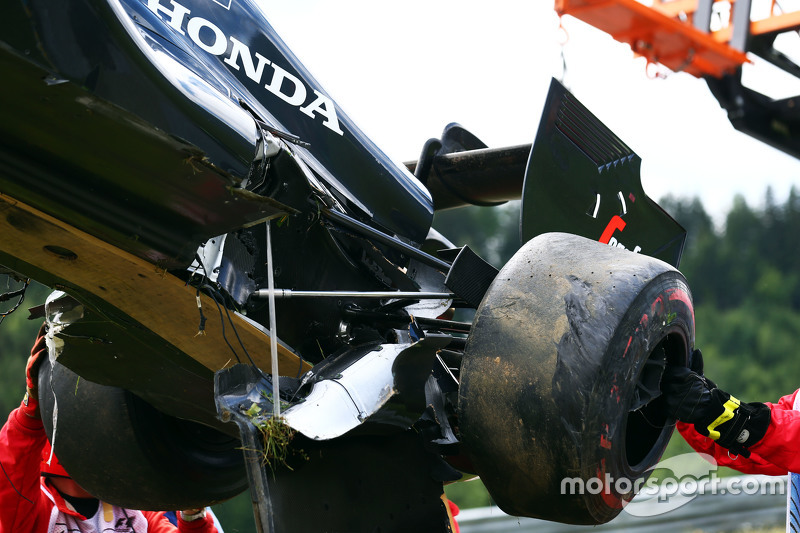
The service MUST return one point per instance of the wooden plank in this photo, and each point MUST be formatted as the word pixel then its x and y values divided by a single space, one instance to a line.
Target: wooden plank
pixel 140 291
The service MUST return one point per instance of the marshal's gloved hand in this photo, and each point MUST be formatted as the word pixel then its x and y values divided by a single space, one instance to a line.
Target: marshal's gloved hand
pixel 30 403
pixel 691 398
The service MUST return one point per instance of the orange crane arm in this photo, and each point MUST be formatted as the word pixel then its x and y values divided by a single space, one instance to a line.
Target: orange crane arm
pixel 664 32
pixel 653 33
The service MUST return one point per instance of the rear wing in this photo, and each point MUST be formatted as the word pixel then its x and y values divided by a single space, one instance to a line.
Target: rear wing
pixel 577 177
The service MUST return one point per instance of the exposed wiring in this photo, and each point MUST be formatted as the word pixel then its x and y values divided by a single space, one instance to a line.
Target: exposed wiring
pixel 300 362
pixel 199 266
pixel 213 293
pixel 219 300
pixel 201 328
pixel 222 322
pixel 13 294
pixel 214 296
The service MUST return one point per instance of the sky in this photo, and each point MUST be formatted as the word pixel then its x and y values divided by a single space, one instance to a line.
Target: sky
pixel 403 70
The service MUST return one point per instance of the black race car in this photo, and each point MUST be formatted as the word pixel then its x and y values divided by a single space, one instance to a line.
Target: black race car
pixel 248 292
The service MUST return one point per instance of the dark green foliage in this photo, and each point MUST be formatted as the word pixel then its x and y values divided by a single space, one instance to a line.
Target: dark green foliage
pixel 745 280
pixel 236 514
pixel 17 335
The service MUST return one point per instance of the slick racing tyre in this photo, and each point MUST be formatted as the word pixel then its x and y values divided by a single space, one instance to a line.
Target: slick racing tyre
pixel 559 402
pixel 125 452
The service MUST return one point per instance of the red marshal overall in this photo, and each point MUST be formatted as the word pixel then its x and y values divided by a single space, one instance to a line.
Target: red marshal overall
pixel 29 502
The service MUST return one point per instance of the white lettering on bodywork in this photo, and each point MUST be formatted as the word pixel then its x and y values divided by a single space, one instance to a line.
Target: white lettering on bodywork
pixel 282 83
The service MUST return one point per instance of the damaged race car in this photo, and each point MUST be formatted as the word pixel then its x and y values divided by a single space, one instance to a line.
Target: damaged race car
pixel 249 293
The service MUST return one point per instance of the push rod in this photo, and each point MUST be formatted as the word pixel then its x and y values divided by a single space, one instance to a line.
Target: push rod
pixel 383 238
pixel 289 293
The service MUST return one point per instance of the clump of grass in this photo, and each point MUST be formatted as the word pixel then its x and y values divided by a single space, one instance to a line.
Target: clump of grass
pixel 276 437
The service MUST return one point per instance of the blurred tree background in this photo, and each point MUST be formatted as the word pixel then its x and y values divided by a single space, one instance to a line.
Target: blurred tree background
pixel 17 334
pixel 745 279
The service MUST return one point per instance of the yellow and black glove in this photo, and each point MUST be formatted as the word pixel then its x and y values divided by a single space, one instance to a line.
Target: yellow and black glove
pixel 692 398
